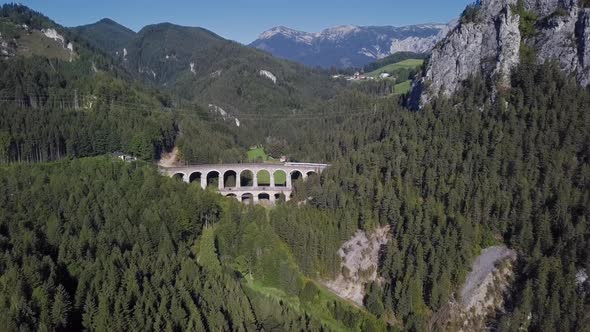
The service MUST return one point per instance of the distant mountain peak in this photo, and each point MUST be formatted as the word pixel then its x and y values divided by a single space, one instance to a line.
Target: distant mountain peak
pixel 106 34
pixel 339 31
pixel 286 32
pixel 302 36
pixel 107 20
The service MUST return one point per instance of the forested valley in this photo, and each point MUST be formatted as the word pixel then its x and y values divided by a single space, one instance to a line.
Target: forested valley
pixel 88 242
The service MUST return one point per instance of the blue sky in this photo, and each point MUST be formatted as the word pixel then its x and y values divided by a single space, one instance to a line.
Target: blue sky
pixel 243 20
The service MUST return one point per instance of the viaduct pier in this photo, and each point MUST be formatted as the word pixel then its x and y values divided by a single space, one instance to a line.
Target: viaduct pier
pixel 256 183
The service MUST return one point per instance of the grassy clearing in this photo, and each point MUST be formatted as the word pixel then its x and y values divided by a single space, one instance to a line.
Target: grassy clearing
pixel 406 64
pixel 257 154
pixel 33 42
pixel 36 43
pixel 402 87
pixel 317 308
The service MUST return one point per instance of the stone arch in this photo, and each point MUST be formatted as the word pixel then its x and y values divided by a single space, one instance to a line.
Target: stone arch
pixel 178 176
pixel 247 198
pixel 280 178
pixel 230 179
pixel 195 177
pixel 312 173
pixel 263 178
pixel 213 179
pixel 296 175
pixel 262 197
pixel 246 178
pixel 232 196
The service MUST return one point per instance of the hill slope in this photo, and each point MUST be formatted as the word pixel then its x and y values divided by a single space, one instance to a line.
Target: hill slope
pixel 61 97
pixel 200 66
pixel 107 35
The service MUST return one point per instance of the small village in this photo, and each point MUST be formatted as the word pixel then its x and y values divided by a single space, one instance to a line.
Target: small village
pixel 358 76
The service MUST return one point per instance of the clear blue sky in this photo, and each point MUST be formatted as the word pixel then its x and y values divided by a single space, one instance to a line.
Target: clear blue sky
pixel 243 20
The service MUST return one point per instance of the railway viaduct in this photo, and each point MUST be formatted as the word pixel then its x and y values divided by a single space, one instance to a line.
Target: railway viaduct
pixel 256 183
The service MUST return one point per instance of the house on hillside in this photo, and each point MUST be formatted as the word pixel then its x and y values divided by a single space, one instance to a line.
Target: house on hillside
pixel 124 157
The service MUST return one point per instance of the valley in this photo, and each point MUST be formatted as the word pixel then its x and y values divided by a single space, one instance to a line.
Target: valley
pixel 429 177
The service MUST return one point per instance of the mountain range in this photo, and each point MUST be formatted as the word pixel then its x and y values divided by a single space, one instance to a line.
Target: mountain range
pixel 471 214
pixel 350 45
pixel 198 65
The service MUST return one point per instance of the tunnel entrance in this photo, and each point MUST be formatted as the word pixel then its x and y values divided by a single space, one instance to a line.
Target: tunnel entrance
pixel 229 179
pixel 213 179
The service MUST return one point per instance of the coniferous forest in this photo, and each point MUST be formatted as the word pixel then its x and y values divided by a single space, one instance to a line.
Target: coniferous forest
pixel 89 242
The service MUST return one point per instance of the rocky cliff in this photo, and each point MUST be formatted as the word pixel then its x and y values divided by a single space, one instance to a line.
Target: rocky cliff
pixel 483 294
pixel 491 34
pixel 360 261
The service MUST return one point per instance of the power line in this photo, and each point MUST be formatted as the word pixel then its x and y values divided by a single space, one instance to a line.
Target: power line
pixel 189 110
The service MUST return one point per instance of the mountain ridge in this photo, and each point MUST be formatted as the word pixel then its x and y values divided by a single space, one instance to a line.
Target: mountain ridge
pixel 349 45
pixel 114 35
pixel 197 65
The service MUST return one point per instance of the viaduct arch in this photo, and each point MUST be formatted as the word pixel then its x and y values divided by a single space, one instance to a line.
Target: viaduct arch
pixel 248 183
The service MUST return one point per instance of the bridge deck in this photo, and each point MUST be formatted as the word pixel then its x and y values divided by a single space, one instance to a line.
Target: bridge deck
pixel 216 174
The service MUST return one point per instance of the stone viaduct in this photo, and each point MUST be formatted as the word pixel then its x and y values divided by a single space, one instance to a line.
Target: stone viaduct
pixel 256 183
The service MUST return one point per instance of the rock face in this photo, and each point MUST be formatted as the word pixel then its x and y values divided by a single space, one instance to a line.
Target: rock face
pixel 8 47
pixel 485 272
pixel 360 260
pixel 489 43
pixel 482 294
pixel 350 45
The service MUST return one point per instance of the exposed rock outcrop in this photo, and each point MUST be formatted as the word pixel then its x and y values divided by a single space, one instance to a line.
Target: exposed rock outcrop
pixel 488 43
pixel 489 271
pixel 482 294
pixel 225 115
pixel 360 260
pixel 8 47
pixel 583 282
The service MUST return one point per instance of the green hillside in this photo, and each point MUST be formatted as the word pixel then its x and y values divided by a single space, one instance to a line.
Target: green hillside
pixel 402 88
pixel 197 65
pixel 395 67
pixel 393 58
pixel 91 243
pixel 210 254
pixel 54 106
pixel 106 35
